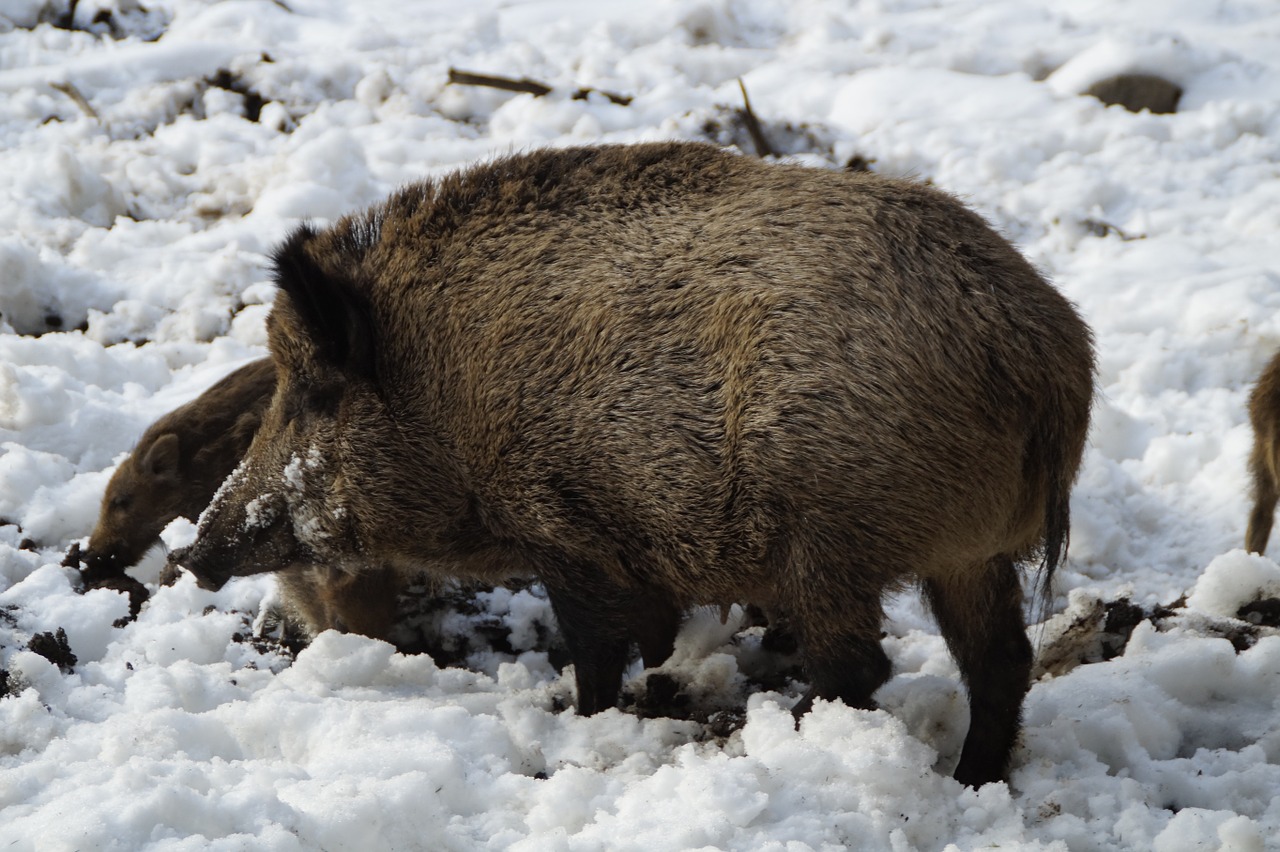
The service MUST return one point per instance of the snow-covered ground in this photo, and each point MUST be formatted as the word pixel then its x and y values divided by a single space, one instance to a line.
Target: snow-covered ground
pixel 153 156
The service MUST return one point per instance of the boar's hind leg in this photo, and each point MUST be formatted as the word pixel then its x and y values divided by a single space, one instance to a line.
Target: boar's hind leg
pixel 598 621
pixel 842 654
pixel 836 625
pixel 654 620
pixel 980 613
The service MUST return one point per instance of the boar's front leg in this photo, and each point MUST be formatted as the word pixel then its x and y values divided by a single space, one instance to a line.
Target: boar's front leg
pixel 323 598
pixel 836 618
pixel 980 614
pixel 594 624
pixel 654 621
pixel 599 620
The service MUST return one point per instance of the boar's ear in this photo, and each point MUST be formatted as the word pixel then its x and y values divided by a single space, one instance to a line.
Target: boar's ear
pixel 334 313
pixel 161 458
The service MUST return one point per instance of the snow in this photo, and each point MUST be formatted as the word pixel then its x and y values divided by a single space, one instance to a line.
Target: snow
pixel 138 207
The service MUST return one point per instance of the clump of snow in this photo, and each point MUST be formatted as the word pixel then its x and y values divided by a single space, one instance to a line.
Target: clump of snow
pixel 139 204
pixel 179 533
pixel 1160 55
pixel 260 512
pixel 293 474
pixel 1232 580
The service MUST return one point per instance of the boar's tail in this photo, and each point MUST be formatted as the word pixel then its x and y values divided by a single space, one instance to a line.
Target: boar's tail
pixel 1057 537
pixel 1057 447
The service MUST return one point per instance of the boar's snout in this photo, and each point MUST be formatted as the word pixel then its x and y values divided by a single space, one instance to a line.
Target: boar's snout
pixel 99 565
pixel 238 540
pixel 210 571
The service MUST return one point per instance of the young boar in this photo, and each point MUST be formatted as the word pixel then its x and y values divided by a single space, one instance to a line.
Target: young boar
pixel 661 375
pixel 1264 461
pixel 319 598
pixel 177 466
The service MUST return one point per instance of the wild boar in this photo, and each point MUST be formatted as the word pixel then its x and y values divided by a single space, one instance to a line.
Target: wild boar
pixel 1264 460
pixel 178 464
pixel 319 598
pixel 662 375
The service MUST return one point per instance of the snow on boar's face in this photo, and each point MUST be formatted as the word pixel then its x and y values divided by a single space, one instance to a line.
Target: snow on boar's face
pixel 288 501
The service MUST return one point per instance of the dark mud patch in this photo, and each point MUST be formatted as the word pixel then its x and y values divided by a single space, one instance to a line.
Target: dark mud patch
pixel 55 648
pixel 1098 631
pixel 1138 92
pixel 1264 612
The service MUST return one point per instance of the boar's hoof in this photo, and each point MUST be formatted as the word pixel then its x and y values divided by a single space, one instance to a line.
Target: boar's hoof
pixel 804 705
pixel 986 769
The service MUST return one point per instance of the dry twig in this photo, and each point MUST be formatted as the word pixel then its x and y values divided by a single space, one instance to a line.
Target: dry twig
pixel 526 86
pixel 753 124
pixel 72 92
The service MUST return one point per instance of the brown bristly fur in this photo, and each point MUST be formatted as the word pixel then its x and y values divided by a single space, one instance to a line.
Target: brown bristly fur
pixel 319 598
pixel 661 375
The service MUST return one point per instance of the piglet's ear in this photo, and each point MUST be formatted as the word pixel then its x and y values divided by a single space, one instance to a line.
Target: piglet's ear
pixel 333 312
pixel 161 458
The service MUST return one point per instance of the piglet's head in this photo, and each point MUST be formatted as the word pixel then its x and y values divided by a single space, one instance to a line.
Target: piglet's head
pixel 143 496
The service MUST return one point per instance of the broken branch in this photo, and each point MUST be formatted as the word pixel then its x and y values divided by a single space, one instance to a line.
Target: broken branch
pixel 507 84
pixel 526 86
pixel 74 93
pixel 753 124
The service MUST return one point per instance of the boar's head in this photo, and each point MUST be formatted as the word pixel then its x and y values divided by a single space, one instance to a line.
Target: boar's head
pixel 289 501
pixel 143 496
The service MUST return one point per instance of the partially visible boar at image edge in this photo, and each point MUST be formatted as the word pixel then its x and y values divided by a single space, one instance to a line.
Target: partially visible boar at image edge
pixel 177 465
pixel 1264 461
pixel 661 375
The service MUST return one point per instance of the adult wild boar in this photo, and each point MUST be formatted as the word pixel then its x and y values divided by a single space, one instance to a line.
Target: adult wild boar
pixel 662 375
pixel 1264 461
pixel 177 465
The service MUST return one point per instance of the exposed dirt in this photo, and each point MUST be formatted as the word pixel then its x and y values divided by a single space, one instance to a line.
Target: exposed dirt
pixel 54 648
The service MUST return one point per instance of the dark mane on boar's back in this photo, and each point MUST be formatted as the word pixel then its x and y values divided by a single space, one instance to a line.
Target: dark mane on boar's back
pixel 339 311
